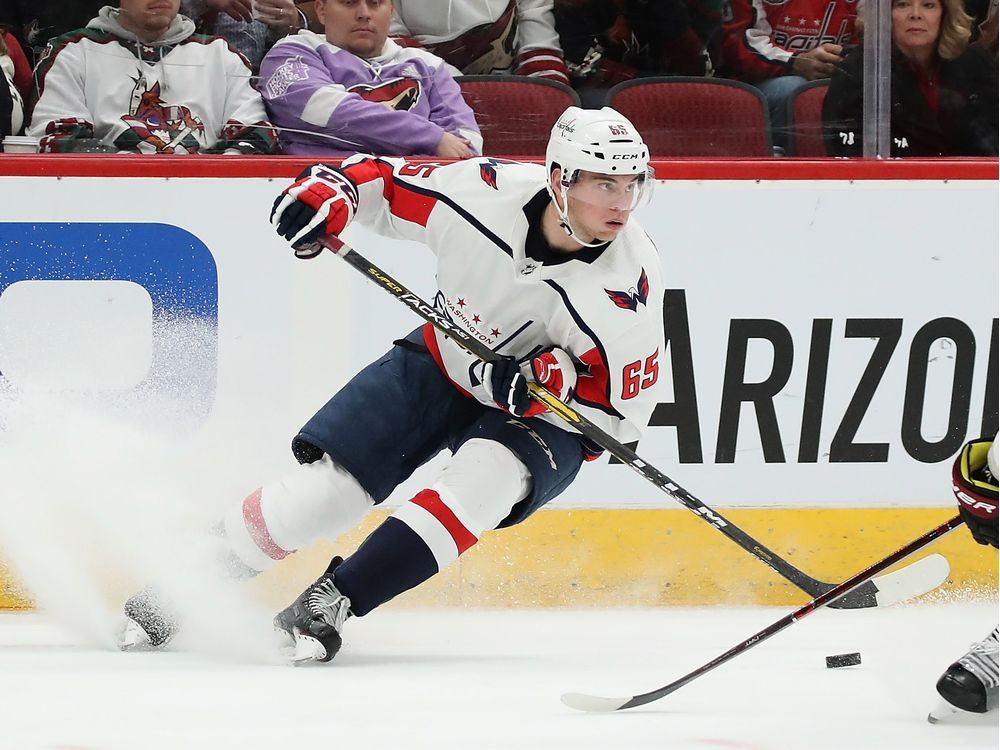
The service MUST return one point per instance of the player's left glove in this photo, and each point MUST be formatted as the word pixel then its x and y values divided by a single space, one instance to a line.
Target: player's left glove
pixel 321 201
pixel 508 387
pixel 974 481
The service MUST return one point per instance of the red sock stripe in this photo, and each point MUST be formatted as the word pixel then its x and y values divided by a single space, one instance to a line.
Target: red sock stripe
pixel 431 501
pixel 253 517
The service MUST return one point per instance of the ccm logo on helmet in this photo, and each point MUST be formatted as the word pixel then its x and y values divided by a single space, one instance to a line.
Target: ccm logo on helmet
pixel 624 157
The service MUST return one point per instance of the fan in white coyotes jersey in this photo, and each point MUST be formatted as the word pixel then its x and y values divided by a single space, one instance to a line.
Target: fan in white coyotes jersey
pixel 484 36
pixel 541 263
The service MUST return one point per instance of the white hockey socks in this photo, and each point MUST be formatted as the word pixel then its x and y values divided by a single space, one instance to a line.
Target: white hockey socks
pixel 317 500
pixel 474 493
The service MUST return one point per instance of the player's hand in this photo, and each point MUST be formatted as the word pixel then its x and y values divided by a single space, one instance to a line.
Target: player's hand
pixel 817 62
pixel 508 386
pixel 975 487
pixel 321 201
pixel 554 370
pixel 452 147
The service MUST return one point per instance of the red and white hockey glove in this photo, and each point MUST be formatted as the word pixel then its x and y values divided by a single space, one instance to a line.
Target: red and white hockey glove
pixel 542 63
pixel 974 481
pixel 507 386
pixel 321 201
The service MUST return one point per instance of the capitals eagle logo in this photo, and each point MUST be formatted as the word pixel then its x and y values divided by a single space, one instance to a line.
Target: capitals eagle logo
pixel 631 299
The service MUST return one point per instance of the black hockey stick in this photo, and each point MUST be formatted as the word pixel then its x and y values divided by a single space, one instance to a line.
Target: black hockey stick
pixel 584 702
pixel 916 579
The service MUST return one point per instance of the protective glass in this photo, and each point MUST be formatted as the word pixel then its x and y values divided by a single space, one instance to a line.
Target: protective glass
pixel 621 192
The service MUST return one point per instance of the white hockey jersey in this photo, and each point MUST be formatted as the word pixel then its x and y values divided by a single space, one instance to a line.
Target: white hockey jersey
pixel 604 308
pixel 182 93
pixel 483 36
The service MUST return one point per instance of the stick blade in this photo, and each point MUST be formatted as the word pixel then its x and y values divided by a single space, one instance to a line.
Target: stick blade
pixel 913 580
pixel 906 583
pixel 593 703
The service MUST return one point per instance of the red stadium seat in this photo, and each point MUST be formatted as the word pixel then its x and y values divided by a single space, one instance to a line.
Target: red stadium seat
pixel 805 113
pixel 515 114
pixel 683 116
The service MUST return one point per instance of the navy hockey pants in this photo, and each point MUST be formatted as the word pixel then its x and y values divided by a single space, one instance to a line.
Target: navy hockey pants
pixel 401 411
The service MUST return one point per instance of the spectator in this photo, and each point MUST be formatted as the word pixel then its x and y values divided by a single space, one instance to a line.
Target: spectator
pixel 34 22
pixel 779 46
pixel 606 43
pixel 11 106
pixel 356 90
pixel 21 66
pixel 943 92
pixel 250 27
pixel 485 36
pixel 138 79
pixel 987 37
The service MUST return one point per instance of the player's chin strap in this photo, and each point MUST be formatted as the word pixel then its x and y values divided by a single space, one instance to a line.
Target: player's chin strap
pixel 563 212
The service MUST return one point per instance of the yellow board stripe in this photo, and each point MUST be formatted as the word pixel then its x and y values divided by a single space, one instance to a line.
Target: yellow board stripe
pixel 640 558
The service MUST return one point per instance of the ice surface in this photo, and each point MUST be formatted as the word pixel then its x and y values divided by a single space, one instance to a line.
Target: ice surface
pixel 455 678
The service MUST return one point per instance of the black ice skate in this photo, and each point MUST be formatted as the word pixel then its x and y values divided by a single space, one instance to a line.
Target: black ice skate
pixel 148 622
pixel 316 618
pixel 970 684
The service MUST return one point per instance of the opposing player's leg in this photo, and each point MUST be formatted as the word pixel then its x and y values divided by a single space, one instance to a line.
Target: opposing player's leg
pixel 970 684
pixel 502 470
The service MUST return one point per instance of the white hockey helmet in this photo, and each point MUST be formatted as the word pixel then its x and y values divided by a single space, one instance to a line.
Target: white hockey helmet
pixel 601 141
pixel 596 140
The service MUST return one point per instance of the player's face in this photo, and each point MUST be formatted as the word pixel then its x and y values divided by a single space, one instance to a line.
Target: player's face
pixel 600 204
pixel 358 26
pixel 148 19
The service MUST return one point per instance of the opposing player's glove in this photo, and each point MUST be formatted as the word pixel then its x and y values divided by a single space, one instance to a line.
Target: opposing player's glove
pixel 974 480
pixel 508 387
pixel 321 201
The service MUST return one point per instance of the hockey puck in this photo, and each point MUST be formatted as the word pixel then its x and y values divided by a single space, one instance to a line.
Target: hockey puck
pixel 843 660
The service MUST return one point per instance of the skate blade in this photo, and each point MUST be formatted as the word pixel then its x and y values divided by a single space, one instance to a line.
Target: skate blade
pixel 944 712
pixel 307 649
pixel 131 637
pixel 283 639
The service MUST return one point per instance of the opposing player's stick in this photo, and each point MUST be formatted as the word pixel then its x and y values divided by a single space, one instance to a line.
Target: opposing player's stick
pixel 584 702
pixel 916 579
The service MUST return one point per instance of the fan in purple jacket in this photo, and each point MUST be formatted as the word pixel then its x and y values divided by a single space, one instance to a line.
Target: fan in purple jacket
pixel 355 90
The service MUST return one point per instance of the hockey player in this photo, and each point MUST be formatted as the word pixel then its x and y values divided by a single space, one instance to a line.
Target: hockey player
pixel 970 684
pixel 541 263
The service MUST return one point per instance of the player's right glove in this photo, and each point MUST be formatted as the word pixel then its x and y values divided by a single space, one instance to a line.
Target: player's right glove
pixel 974 481
pixel 321 201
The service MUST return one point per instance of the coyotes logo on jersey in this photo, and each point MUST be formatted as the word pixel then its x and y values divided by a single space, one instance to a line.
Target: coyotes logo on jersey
pixel 486 48
pixel 157 127
pixel 399 94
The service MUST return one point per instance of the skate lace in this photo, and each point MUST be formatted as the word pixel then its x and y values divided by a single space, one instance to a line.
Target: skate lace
pixel 982 660
pixel 328 604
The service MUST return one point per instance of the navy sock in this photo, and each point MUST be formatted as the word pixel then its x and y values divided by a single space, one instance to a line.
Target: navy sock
pixel 393 559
